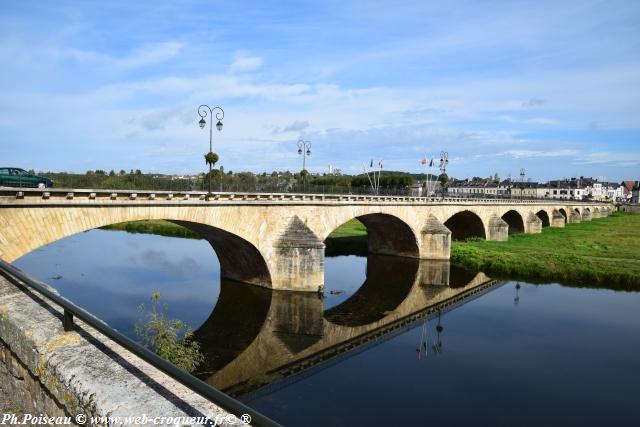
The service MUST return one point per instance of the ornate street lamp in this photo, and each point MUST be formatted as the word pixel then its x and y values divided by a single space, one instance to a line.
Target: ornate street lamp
pixel 304 150
pixel 444 161
pixel 203 111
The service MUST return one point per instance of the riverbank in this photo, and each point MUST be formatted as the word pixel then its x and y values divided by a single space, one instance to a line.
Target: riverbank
pixel 348 239
pixel 603 251
pixel 159 227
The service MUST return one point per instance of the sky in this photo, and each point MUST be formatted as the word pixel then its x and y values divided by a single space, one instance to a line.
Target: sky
pixel 552 87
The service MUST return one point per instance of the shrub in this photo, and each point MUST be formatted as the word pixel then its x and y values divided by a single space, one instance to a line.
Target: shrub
pixel 170 339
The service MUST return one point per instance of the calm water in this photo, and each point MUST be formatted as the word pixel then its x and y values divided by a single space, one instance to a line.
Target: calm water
pixel 541 354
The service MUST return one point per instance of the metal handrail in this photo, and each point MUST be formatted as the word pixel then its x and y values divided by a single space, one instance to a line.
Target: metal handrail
pixel 70 310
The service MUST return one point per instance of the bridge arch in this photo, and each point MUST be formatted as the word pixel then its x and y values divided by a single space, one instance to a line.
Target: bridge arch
pixel 388 282
pixel 237 329
pixel 464 225
pixel 564 214
pixel 515 221
pixel 544 217
pixel 239 259
pixel 387 235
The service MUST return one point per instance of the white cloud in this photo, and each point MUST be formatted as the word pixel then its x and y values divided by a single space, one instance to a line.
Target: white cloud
pixel 519 154
pixel 602 158
pixel 142 56
pixel 245 63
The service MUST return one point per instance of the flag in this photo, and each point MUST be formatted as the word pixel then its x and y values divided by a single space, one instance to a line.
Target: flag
pixel 423 161
pixel 431 164
pixel 371 165
pixel 380 164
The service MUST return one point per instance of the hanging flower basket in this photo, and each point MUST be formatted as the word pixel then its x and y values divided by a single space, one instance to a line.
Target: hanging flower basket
pixel 211 158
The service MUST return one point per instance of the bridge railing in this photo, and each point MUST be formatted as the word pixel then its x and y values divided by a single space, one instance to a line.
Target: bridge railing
pixel 70 310
pixel 9 194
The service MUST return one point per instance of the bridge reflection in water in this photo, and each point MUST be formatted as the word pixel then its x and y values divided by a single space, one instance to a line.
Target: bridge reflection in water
pixel 257 339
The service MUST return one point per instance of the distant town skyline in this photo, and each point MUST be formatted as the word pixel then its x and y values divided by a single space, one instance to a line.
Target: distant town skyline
pixel 551 87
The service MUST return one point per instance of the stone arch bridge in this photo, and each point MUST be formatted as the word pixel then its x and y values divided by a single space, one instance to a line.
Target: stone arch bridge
pixel 277 240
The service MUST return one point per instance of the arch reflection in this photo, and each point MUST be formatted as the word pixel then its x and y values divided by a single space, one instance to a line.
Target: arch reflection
pixel 258 339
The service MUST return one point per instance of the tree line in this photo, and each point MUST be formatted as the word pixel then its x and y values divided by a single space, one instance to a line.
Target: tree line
pixel 276 181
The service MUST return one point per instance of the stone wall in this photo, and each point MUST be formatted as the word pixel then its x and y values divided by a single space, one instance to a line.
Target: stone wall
pixel 57 373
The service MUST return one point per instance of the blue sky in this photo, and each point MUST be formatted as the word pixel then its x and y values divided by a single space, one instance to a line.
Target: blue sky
pixel 549 86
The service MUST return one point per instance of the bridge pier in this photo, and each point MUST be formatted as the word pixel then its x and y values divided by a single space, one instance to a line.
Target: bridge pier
pixel 534 224
pixel 498 229
pixel 297 319
pixel 574 217
pixel 586 215
pixel 299 259
pixel 436 240
pixel 435 273
pixel 557 219
pixel 596 214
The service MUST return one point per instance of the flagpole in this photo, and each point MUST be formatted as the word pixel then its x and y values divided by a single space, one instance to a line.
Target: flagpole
pixel 379 173
pixel 367 172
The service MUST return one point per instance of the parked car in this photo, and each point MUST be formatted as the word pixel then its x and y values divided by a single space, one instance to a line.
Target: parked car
pixel 16 177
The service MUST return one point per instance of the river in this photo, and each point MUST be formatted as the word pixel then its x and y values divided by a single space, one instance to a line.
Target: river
pixel 381 347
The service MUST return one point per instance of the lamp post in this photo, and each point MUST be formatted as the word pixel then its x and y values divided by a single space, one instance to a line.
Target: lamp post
pixel 204 111
pixel 304 150
pixel 444 161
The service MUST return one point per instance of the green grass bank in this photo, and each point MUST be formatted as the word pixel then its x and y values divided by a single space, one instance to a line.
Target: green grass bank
pixel 348 239
pixel 159 227
pixel 605 251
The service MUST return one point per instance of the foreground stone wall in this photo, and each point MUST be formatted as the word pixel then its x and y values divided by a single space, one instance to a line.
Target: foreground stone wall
pixel 60 373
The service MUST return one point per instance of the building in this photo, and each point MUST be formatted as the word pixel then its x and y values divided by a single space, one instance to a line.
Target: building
pixel 567 189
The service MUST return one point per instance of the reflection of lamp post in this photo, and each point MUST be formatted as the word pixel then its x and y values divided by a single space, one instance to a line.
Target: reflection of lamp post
pixel 439 328
pixel 210 157
pixel 517 298
pixel 304 150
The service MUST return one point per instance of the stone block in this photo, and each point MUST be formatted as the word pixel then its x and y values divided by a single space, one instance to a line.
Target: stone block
pixel 299 259
pixel 436 240
pixel 574 217
pixel 534 224
pixel 498 229
pixel 557 219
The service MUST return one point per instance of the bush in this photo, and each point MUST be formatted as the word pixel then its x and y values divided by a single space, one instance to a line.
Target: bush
pixel 163 336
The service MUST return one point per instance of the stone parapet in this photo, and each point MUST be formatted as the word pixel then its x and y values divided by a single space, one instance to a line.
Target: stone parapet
pixel 60 373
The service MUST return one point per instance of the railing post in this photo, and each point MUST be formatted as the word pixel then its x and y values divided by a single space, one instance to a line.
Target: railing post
pixel 67 321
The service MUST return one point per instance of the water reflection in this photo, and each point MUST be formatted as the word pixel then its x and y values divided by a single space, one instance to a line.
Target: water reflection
pixel 277 335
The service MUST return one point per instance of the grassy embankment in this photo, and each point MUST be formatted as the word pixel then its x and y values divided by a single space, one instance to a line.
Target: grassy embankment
pixel 348 239
pixel 160 227
pixel 605 251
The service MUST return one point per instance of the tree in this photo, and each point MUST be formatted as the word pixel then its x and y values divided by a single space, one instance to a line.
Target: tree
pixel 112 173
pixel 138 172
pixel 496 177
pixel 163 336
